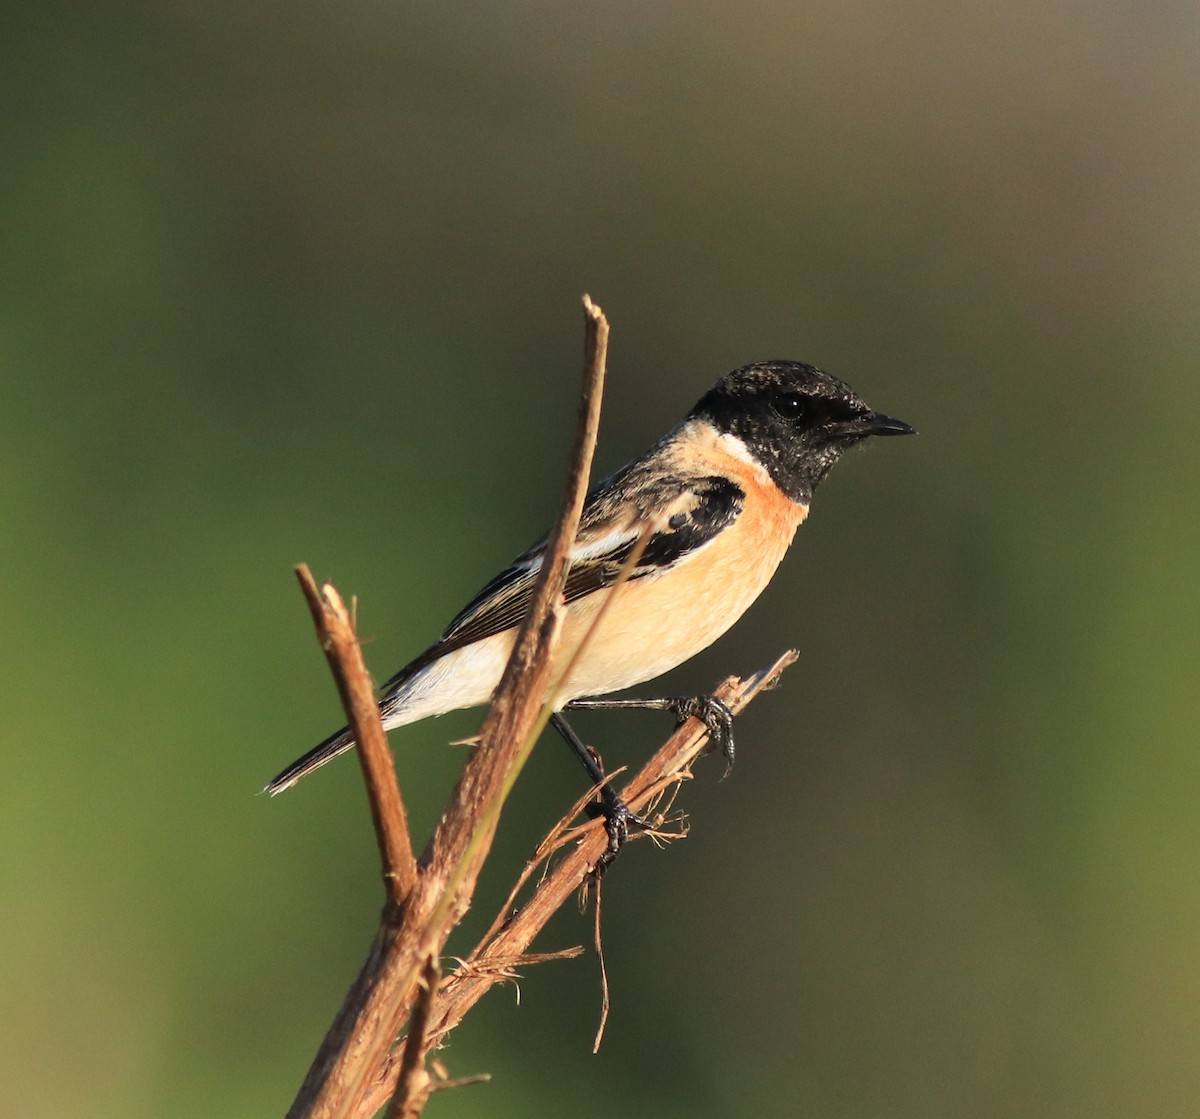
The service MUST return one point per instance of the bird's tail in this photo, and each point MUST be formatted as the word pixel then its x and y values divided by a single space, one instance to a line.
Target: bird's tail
pixel 334 745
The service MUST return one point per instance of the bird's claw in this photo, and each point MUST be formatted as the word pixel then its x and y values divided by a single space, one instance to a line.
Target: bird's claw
pixel 619 822
pixel 717 718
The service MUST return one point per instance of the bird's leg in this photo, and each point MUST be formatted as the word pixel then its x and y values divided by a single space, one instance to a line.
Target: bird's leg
pixel 712 712
pixel 618 819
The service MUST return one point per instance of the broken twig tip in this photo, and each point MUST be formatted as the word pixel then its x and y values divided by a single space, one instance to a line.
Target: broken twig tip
pixel 593 311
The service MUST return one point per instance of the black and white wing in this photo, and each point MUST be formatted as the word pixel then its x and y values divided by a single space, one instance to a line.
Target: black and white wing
pixel 687 515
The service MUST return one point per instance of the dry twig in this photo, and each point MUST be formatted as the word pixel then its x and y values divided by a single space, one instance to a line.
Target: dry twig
pixel 380 1001
pixel 335 631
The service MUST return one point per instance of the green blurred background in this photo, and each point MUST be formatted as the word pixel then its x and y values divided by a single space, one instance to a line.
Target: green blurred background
pixel 289 282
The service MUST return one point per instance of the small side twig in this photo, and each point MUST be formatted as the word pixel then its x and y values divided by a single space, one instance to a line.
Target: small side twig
pixel 598 944
pixel 335 631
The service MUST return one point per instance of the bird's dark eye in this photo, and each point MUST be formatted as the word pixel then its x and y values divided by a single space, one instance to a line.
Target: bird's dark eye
pixel 790 406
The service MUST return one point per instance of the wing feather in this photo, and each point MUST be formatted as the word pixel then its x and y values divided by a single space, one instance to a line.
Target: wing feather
pixel 700 509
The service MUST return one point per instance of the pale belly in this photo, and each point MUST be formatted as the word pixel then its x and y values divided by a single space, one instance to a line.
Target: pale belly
pixel 655 624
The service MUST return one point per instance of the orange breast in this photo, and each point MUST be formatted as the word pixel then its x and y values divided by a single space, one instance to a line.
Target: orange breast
pixel 659 621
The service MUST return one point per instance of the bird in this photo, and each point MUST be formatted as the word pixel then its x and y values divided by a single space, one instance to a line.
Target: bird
pixel 713 507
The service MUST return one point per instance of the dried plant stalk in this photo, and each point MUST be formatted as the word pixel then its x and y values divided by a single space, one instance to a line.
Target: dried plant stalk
pixel 415 927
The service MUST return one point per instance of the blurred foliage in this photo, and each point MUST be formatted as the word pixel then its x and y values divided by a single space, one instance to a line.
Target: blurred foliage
pixel 300 281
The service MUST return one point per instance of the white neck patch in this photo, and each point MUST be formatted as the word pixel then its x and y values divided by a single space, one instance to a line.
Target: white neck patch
pixel 736 448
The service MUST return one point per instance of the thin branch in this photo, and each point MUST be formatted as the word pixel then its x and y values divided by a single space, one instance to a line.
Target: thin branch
pixel 381 999
pixel 507 942
pixel 463 838
pixel 670 764
pixel 335 630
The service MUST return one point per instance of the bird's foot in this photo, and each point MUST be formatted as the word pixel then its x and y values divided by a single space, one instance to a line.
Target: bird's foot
pixel 619 822
pixel 715 715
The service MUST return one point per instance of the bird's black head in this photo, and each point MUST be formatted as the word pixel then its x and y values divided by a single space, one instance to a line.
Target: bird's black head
pixel 794 418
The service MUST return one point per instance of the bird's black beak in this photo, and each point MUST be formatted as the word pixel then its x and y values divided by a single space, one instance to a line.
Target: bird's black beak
pixel 879 424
